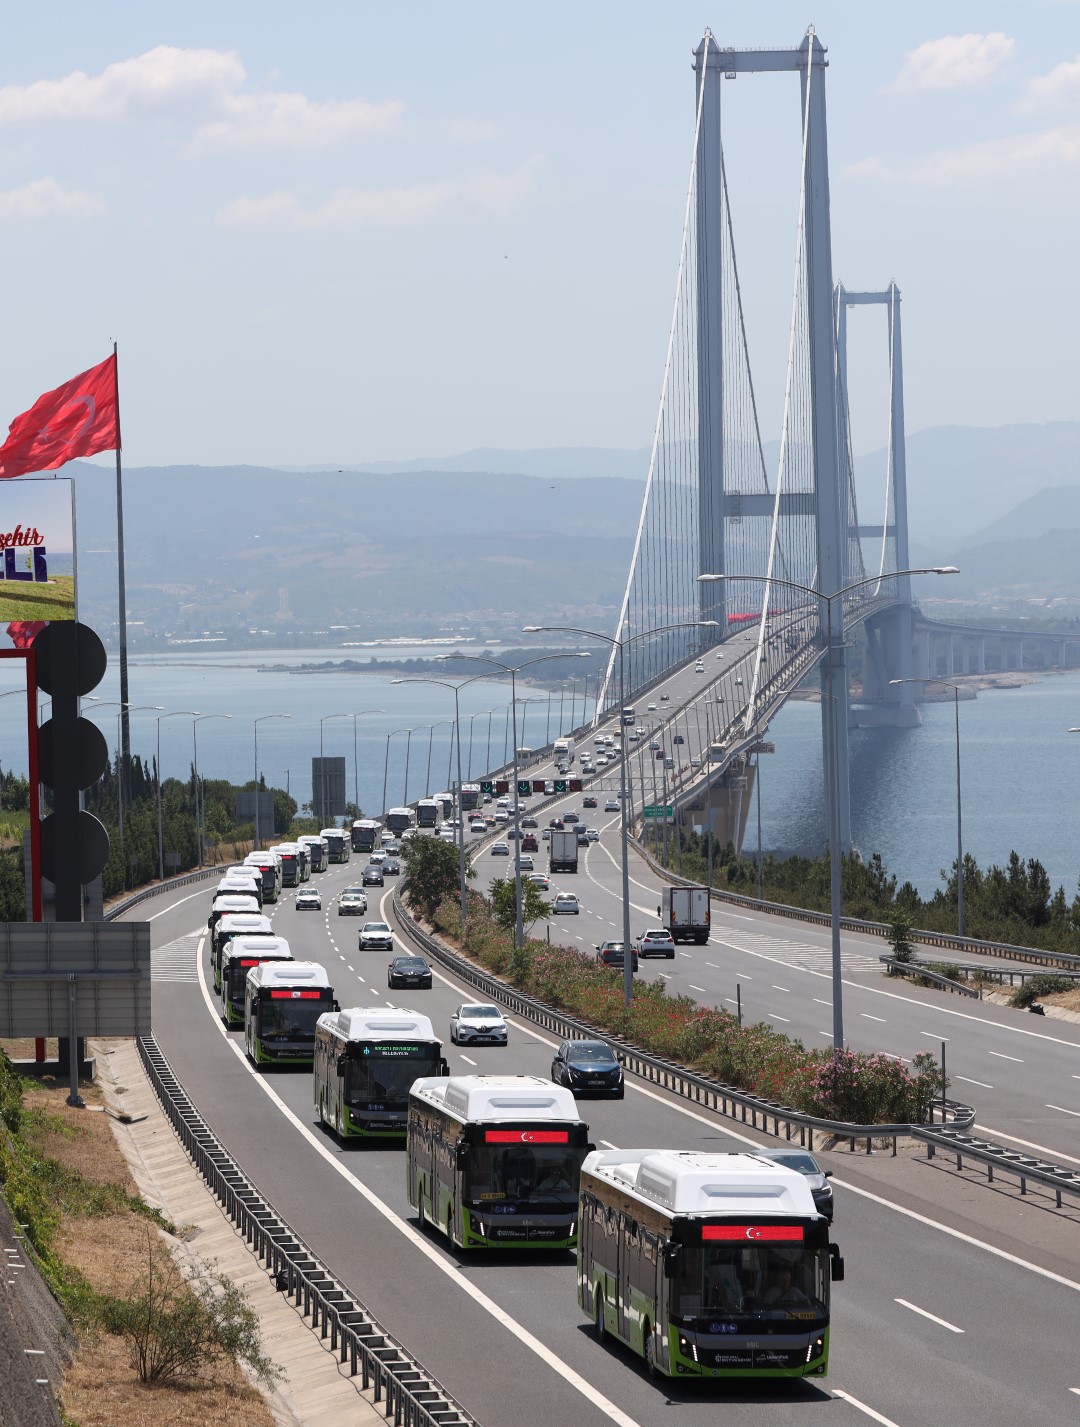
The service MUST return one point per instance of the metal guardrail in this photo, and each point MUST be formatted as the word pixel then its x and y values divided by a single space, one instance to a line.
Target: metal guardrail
pixel 155 887
pixel 920 972
pixel 406 1393
pixel 1061 959
pixel 1000 1158
pixel 723 1099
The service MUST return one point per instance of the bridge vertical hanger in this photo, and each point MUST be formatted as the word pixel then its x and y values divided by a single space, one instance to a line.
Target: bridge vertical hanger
pixel 708 73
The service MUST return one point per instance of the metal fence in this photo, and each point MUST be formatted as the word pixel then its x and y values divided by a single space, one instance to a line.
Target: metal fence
pixel 999 1158
pixel 404 1391
pixel 666 1075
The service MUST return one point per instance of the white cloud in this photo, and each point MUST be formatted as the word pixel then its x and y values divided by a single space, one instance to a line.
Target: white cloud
pixel 163 83
pixel 205 87
pixel 45 198
pixel 1061 87
pixel 382 207
pixel 1019 156
pixel 281 120
pixel 954 62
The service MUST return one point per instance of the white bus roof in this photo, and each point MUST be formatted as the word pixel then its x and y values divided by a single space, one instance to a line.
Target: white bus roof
pixel 280 847
pixel 368 1023
pixel 367 822
pixel 289 973
pixel 499 1097
pixel 241 922
pixel 310 837
pixel 690 1182
pixel 259 946
pixel 392 811
pixel 331 832
pixel 260 859
pixel 235 902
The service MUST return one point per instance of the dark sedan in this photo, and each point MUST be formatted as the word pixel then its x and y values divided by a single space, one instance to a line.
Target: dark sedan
pixel 612 953
pixel 408 971
pixel 391 867
pixel 372 875
pixel 588 1068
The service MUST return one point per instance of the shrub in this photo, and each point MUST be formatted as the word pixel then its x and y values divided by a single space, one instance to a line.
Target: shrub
pixel 176 1323
pixel 1036 986
pixel 900 939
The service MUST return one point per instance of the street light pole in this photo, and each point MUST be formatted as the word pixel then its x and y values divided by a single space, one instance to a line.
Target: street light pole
pixel 626 812
pixel 456 690
pixel 959 810
pixel 179 713
pixel 261 719
pixel 832 790
pixel 195 760
pixel 386 764
pixel 514 671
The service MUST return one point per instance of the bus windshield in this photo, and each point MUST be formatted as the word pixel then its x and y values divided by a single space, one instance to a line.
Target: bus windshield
pixel 523 1171
pixel 759 1281
pixel 280 1017
pixel 388 1077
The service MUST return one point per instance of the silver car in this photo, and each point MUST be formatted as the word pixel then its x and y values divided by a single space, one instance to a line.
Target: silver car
pixel 804 1163
pixel 480 1023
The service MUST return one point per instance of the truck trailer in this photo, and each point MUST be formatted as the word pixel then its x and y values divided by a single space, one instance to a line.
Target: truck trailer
pixel 685 911
pixel 562 850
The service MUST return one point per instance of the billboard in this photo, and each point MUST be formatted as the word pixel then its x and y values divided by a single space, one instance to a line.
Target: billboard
pixel 328 789
pixel 37 549
pixel 100 968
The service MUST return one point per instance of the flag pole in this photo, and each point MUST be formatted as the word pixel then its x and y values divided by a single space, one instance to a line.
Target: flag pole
pixel 124 771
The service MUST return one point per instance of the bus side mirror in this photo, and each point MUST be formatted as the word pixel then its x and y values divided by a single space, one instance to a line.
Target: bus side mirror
pixel 341 1061
pixel 336 1006
pixel 837 1263
pixel 444 1066
pixel 461 1155
pixel 672 1260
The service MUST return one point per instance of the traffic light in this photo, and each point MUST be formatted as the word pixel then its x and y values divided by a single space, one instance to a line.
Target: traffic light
pixel 575 785
pixel 524 788
pixel 502 785
pixel 539 786
pixel 560 785
pixel 488 787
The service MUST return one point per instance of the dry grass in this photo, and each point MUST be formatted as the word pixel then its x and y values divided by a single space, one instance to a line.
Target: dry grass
pixel 1068 1000
pixel 101 1388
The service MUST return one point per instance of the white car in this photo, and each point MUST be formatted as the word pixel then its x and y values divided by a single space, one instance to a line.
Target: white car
pixel 612 805
pixel 500 849
pixel 376 936
pixel 478 1025
pixel 309 900
pixel 565 902
pixel 657 942
pixel 352 902
pixel 651 708
pixel 526 861
pixel 478 825
pixel 541 880
pixel 699 668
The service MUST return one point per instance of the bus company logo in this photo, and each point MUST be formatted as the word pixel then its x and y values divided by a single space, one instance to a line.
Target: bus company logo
pixel 32 545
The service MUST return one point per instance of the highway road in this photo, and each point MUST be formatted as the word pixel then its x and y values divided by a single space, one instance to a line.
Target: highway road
pixel 941 1316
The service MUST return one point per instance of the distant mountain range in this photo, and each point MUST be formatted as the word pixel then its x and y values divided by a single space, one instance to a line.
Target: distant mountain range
pixel 491 539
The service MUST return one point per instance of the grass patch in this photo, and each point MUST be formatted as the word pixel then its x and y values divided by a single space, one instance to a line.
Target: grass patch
pixel 54 600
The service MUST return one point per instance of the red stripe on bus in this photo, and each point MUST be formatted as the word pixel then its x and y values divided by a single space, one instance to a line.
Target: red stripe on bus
pixel 752 1231
pixel 527 1137
pixel 295 995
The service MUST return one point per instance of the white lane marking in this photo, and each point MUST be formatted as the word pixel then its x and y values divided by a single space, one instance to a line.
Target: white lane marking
pixel 993 1249
pixel 819 1002
pixel 1002 1056
pixel 716 967
pixel 943 1323
pixel 775 1017
pixel 448 1267
pixel 782 988
pixel 1064 1111
pixel 868 1017
pixel 1075 1389
pixel 862 1407
pixel 179 903
pixel 608 1145
pixel 467 1061
pixel 697 988
pixel 968 1081
pixel 935 1037
pixel 687 955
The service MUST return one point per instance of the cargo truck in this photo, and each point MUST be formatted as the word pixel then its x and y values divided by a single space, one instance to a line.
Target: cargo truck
pixel 562 850
pixel 685 912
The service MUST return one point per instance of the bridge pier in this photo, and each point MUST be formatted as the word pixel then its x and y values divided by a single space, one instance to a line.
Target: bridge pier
pixel 721 807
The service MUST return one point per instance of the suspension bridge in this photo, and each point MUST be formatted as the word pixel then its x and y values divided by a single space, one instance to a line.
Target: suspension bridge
pixel 767 566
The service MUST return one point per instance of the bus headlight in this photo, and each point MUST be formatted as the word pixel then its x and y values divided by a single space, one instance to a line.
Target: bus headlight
pixel 815 1349
pixel 688 1347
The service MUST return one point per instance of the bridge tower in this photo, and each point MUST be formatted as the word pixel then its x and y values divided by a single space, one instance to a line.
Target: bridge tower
pixel 826 500
pixel 889 632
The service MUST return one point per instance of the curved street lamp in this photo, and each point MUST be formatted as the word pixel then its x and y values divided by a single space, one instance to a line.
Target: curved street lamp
pixel 178 713
pixel 261 719
pixel 198 795
pixel 514 670
pixel 456 688
pixel 624 837
pixel 832 792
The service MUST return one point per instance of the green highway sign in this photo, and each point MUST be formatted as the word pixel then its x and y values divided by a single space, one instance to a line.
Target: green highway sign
pixel 658 811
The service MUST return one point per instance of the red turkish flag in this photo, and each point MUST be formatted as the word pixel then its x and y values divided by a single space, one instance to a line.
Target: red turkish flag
pixel 79 418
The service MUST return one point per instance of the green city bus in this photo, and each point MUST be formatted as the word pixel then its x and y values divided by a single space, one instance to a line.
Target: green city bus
pixel 246 924
pixel 283 1000
pixel 366 1059
pixel 494 1160
pixel 238 958
pixel 707 1265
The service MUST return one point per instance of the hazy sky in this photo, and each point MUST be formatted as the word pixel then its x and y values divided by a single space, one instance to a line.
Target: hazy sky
pixel 350 231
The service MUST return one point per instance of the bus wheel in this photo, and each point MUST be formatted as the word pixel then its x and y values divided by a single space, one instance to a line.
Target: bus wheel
pixel 601 1325
pixel 650 1350
pixel 420 1214
pixel 450 1222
